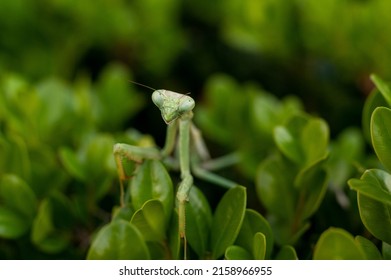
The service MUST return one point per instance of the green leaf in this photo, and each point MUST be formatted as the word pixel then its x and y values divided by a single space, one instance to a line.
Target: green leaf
pixel 227 220
pixel 97 164
pixel 44 235
pixel 150 221
pixel 375 215
pixel 287 138
pixel 337 244
pixel 303 140
pixel 235 252
pixel 345 152
pixel 122 213
pixel 259 246
pixel 288 144
pixel 72 163
pixel 253 223
pixel 314 140
pixel 198 221
pixel 312 185
pixel 152 181
pixel 16 195
pixel 374 183
pixel 18 206
pixel 158 251
pixel 370 250
pixel 111 111
pixel 381 135
pixel 12 224
pixel 15 158
pixel 383 87
pixel 287 232
pixel 287 252
pixel 374 100
pixel 264 113
pixel 118 240
pixel 386 250
pixel 56 114
pixel 276 191
pixel 216 118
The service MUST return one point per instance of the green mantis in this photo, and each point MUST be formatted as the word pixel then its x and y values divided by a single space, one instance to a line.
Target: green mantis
pixel 177 112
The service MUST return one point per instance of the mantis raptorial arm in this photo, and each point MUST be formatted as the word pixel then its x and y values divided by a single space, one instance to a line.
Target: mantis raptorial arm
pixel 176 110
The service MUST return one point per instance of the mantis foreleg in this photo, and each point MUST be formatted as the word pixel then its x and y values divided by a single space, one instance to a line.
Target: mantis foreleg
pixel 126 158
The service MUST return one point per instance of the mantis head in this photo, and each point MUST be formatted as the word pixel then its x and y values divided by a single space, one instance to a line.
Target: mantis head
pixel 171 104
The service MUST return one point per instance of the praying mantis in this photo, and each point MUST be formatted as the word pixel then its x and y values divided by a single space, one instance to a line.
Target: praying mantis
pixel 177 112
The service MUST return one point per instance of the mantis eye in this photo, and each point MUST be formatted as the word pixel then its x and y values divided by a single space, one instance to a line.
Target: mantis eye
pixel 158 97
pixel 187 104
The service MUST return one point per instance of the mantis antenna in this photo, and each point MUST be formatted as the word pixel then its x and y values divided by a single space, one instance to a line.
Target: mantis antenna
pixel 139 84
pixel 142 85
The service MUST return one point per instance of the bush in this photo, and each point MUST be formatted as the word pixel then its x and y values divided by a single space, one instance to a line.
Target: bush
pixel 65 100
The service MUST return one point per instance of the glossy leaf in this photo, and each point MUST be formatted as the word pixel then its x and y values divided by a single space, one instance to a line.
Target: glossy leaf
pixel 315 140
pixel 374 100
pixel 235 252
pixel 287 138
pixel 122 213
pixel 287 252
pixel 253 223
pixel 259 246
pixel 118 240
pixel 227 220
pixel 383 87
pixel 312 185
pixel 150 221
pixel 337 244
pixel 287 143
pixel 374 183
pixel 375 215
pixel 198 222
pixel 304 140
pixel 275 191
pixel 370 250
pixel 152 181
pixel 381 135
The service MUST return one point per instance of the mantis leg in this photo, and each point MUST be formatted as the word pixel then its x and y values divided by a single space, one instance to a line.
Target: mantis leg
pixel 212 178
pixel 187 179
pixel 127 157
pixel 202 167
pixel 170 138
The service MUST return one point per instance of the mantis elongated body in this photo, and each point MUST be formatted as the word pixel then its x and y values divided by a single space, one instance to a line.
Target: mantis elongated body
pixel 177 112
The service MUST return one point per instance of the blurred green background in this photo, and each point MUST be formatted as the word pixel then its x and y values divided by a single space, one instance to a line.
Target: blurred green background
pixel 319 51
pixel 322 52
